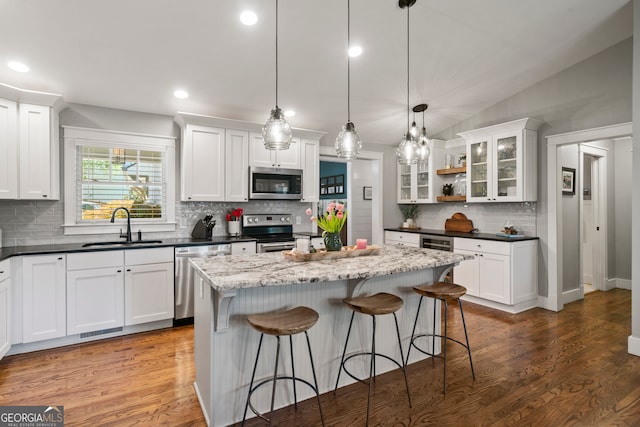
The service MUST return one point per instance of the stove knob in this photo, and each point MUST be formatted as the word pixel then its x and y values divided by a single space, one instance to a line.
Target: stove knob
pixel 255 220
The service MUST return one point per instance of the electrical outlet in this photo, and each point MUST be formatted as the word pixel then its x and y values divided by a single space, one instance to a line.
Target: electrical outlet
pixel 298 220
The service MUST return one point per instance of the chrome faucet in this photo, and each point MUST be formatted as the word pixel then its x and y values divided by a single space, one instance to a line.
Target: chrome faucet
pixel 113 217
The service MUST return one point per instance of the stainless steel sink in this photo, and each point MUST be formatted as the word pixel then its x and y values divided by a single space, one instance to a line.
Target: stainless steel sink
pixel 121 243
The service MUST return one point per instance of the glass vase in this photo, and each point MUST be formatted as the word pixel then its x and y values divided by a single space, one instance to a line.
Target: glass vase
pixel 332 241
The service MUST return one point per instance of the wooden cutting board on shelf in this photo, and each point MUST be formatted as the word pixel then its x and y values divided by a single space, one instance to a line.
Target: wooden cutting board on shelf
pixel 458 222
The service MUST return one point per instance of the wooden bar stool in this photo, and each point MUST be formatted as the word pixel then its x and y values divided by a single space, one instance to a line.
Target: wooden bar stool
pixel 290 322
pixel 445 292
pixel 374 305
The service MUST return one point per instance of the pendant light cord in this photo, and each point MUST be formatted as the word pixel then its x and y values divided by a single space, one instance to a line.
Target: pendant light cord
pixel 408 125
pixel 276 53
pixel 348 61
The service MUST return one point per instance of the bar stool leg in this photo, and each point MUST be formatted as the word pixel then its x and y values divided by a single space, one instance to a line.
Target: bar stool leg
pixel 293 372
pixel 413 332
pixel 372 365
pixel 404 365
pixel 433 337
pixel 466 337
pixel 344 352
pixel 253 375
pixel 275 376
pixel 315 379
pixel 444 344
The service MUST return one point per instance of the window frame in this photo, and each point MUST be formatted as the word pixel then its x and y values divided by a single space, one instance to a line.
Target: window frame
pixel 75 136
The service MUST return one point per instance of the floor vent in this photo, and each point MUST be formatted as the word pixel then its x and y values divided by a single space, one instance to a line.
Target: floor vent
pixel 102 332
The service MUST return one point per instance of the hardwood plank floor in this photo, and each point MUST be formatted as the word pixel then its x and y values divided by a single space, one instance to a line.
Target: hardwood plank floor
pixel 536 368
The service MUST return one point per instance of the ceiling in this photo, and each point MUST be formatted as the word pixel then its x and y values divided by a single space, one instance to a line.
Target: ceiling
pixel 466 55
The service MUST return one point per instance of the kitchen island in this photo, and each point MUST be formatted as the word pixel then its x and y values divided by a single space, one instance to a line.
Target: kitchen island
pixel 228 289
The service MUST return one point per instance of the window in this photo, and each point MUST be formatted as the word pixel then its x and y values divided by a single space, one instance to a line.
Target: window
pixel 106 170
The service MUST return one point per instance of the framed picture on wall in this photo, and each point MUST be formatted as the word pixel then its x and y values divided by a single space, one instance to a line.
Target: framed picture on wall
pixel 568 181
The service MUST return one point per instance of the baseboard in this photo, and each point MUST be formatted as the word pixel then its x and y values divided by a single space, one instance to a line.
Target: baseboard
pixel 634 345
pixel 202 406
pixel 621 284
pixel 545 302
pixel 572 295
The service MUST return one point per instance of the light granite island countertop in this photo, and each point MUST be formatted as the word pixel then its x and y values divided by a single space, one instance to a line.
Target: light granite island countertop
pixel 228 289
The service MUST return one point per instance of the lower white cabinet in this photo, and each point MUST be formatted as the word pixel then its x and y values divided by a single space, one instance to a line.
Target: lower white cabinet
pixel 148 285
pixel 5 307
pixel 95 291
pixel 243 248
pixel 502 275
pixel 400 238
pixel 43 297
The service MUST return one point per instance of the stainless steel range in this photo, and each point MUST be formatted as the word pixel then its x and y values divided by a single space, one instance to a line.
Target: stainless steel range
pixel 274 232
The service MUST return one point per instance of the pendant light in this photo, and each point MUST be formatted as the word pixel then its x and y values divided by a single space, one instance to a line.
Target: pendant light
pixel 348 143
pixel 408 151
pixel 414 128
pixel 423 138
pixel 276 132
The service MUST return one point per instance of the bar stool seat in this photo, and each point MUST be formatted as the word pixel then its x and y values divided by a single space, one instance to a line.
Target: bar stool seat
pixel 284 323
pixel 445 292
pixel 374 305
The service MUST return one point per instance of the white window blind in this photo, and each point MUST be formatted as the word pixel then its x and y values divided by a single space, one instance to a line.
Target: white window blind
pixel 109 177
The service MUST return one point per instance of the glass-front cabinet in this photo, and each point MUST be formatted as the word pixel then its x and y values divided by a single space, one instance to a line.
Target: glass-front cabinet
pixel 501 162
pixel 417 183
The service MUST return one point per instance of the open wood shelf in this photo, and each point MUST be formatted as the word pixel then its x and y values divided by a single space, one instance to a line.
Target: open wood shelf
pixel 451 171
pixel 451 198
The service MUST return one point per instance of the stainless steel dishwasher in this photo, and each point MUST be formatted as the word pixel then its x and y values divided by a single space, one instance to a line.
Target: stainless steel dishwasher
pixel 185 277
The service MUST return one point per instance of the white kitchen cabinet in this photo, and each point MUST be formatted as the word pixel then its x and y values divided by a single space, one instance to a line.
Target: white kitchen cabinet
pixel 5 307
pixel 29 145
pixel 8 149
pixel 43 297
pixel 148 286
pixel 202 169
pixel 243 248
pixel 317 243
pixel 236 166
pixel 261 157
pixel 95 291
pixel 400 238
pixel 502 162
pixel 310 162
pixel 419 183
pixel 502 275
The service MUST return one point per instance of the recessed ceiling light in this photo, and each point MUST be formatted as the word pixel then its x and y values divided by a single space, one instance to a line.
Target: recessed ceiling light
pixel 18 66
pixel 181 94
pixel 289 113
pixel 248 17
pixel 355 51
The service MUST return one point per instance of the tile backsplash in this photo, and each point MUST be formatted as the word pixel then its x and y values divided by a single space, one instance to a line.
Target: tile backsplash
pixel 26 223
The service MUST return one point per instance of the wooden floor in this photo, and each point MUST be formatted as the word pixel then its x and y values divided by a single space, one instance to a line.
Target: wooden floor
pixel 537 368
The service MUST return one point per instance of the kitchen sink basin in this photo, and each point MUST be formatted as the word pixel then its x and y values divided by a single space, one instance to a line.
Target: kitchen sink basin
pixel 121 243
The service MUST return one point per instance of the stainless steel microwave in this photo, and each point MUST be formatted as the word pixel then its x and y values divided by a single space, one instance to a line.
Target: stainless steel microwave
pixel 275 184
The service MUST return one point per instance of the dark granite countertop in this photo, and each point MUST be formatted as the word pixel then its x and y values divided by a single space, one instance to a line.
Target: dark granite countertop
pixel 483 236
pixel 77 247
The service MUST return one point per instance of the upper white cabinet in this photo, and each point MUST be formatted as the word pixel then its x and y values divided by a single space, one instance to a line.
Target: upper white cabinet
pixel 29 145
pixel 214 163
pixel 419 183
pixel 502 161
pixel 261 157
pixel 5 307
pixel 43 297
pixel 310 162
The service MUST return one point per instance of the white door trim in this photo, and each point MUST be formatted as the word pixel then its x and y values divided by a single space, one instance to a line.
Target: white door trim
pixel 554 196
pixel 376 199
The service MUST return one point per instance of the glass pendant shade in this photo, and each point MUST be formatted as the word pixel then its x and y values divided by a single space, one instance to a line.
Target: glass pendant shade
pixel 414 129
pixel 276 132
pixel 423 143
pixel 348 143
pixel 408 151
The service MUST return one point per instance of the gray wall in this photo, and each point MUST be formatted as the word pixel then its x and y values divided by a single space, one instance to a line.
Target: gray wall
pixel 595 92
pixel 622 216
pixel 568 156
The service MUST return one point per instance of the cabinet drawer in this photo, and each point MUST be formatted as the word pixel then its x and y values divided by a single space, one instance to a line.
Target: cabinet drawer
pixel 99 259
pixel 399 237
pixel 479 245
pixel 5 269
pixel 243 248
pixel 148 256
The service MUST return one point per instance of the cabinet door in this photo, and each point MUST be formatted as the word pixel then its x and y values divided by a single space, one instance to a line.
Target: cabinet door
pixel 202 171
pixel 507 168
pixel 405 184
pixel 95 299
pixel 289 158
pixel 5 315
pixel 493 273
pixel 236 166
pixel 422 181
pixel 43 297
pixel 148 293
pixel 35 152
pixel 466 273
pixel 258 155
pixel 8 149
pixel 310 162
pixel 478 170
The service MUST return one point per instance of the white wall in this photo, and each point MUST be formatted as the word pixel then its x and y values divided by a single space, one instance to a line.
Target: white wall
pixel 634 339
pixel 360 211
